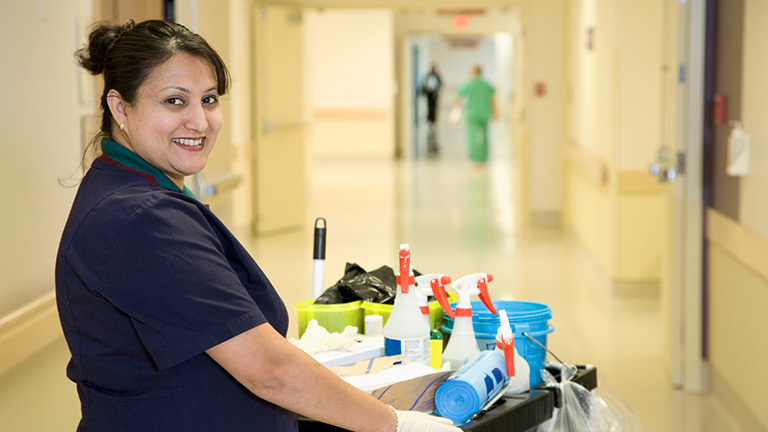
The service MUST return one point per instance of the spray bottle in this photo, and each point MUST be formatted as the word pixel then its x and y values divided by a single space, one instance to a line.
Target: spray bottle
pixel 406 332
pixel 517 367
pixel 424 285
pixel 424 290
pixel 462 345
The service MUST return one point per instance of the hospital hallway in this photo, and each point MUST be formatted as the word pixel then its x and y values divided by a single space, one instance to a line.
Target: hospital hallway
pixel 603 196
pixel 458 218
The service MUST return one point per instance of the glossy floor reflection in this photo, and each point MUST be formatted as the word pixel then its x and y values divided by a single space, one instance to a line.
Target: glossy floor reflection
pixel 461 218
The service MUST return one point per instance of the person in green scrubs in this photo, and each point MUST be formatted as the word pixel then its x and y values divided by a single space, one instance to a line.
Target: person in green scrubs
pixel 479 108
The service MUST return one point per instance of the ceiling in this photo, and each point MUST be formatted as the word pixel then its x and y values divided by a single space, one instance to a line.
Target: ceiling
pixel 456 6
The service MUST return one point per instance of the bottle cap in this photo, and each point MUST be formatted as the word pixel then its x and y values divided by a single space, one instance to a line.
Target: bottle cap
pixel 374 325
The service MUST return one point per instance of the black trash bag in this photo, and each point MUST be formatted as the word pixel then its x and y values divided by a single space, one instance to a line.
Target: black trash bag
pixel 377 286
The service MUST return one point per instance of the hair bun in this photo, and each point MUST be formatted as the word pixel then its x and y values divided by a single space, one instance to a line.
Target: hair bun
pixel 92 56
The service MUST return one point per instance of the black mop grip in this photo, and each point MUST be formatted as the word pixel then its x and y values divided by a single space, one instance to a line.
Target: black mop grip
pixel 318 251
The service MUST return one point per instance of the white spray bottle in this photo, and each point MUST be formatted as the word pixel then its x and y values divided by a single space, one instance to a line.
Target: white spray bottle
pixel 518 369
pixel 424 290
pixel 406 332
pixel 462 345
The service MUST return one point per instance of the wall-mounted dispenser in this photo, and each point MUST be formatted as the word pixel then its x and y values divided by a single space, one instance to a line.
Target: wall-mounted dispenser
pixel 738 151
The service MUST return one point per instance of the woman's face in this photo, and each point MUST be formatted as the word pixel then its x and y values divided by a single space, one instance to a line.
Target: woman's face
pixel 175 118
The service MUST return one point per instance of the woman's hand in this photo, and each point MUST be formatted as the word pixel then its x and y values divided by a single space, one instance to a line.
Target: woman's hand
pixel 414 421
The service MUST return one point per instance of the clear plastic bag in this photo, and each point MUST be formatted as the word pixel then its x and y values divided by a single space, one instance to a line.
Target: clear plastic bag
pixel 588 411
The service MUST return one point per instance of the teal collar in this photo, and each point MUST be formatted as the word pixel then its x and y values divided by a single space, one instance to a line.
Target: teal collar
pixel 122 155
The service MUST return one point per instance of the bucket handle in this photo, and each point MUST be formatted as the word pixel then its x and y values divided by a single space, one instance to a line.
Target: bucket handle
pixel 542 346
pixel 521 328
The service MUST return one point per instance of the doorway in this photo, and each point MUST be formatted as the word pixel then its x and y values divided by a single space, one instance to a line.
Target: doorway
pixel 453 56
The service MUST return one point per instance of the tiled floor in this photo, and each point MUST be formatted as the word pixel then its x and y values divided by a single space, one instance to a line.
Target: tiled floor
pixel 458 218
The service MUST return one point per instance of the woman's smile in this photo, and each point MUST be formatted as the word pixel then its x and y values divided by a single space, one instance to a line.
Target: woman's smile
pixel 174 122
pixel 190 144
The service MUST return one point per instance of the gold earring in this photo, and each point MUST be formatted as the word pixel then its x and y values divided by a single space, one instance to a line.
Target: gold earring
pixel 122 126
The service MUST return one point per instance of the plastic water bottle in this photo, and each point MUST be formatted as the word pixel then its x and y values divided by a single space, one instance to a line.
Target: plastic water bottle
pixel 406 332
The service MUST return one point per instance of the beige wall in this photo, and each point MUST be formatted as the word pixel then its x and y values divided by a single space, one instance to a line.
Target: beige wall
pixel 738 293
pixel 637 37
pixel 350 78
pixel 41 139
pixel 613 127
pixel 589 210
pixel 591 77
pixel 738 282
pixel 640 216
pixel 348 72
pixel 754 206
pixel 589 214
pixel 241 111
pixel 544 60
pixel 46 97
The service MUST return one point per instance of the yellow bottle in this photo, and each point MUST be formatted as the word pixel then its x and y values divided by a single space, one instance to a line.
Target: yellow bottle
pixel 435 349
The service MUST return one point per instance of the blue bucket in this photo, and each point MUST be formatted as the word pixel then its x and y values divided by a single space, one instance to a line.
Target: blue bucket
pixel 524 317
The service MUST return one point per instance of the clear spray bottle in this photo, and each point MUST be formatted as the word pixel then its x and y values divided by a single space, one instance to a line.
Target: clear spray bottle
pixel 462 345
pixel 406 332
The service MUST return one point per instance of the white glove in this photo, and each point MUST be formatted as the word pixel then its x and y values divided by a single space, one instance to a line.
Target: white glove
pixel 415 421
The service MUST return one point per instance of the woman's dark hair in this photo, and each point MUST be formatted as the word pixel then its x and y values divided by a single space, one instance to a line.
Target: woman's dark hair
pixel 126 54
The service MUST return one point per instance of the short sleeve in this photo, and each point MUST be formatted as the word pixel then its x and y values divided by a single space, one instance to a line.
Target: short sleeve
pixel 463 90
pixel 170 275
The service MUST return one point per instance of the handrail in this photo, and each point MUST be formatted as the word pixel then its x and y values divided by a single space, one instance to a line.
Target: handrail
pixel 208 188
pixel 590 164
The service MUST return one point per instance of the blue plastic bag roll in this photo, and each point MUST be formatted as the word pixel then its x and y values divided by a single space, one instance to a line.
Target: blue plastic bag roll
pixel 474 384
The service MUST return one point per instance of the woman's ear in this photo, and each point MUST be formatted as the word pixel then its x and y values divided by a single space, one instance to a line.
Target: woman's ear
pixel 117 106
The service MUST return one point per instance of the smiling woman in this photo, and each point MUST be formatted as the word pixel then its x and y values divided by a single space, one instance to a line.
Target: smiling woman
pixel 171 324
pixel 174 121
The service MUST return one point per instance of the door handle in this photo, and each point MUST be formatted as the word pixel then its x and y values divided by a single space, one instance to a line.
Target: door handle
pixel 663 174
pixel 666 170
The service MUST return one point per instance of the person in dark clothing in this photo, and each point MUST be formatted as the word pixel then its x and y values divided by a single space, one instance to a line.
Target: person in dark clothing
pixel 171 324
pixel 431 89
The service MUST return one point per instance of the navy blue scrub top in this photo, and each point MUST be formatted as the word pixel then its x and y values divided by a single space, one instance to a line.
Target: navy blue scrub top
pixel 147 279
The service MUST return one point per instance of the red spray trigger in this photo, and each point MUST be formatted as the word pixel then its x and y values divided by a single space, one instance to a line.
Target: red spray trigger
pixel 405 279
pixel 507 346
pixel 438 289
pixel 482 285
pixel 505 341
